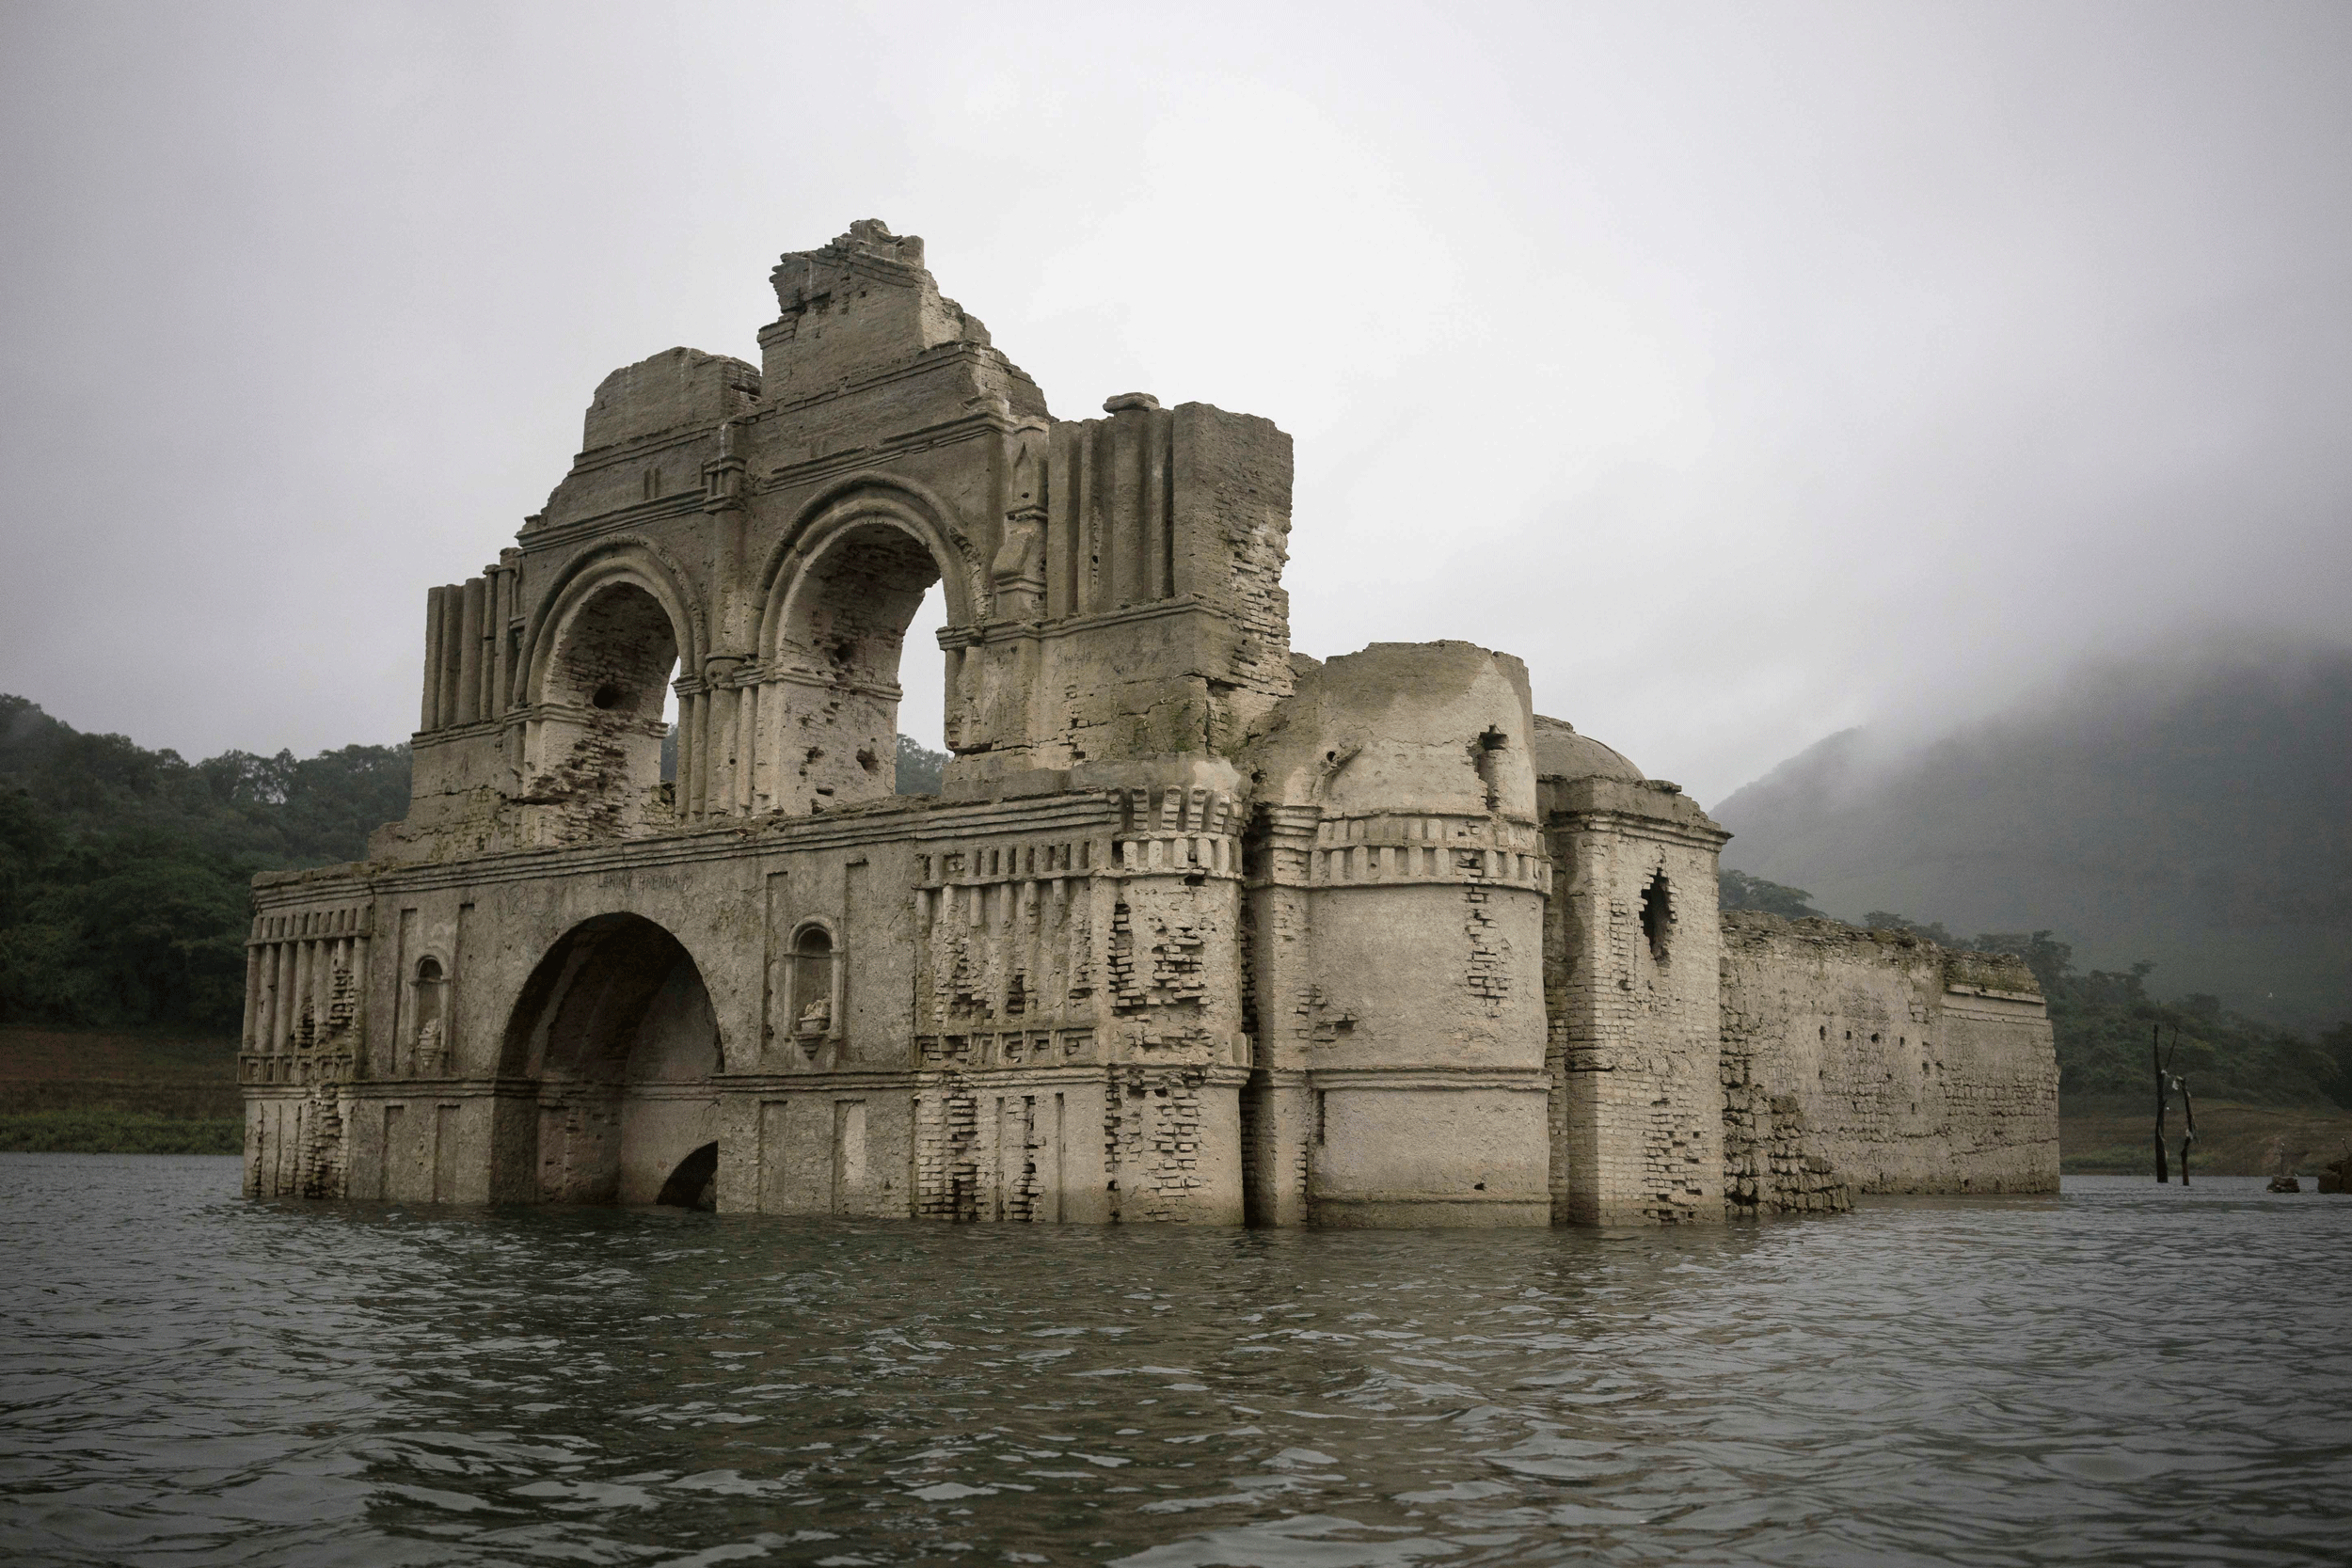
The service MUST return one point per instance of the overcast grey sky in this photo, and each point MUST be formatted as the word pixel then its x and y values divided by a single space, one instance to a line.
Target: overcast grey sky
pixel 1751 371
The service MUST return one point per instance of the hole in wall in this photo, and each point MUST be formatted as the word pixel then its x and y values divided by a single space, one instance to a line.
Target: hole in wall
pixel 1658 915
pixel 605 696
pixel 1487 757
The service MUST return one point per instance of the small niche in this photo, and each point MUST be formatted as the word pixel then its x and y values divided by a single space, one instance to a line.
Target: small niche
pixel 815 989
pixel 428 1046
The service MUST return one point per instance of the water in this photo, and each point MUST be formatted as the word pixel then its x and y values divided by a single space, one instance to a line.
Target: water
pixel 2125 1374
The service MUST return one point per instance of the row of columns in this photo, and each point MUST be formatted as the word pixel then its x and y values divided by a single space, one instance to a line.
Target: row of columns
pixel 287 979
pixel 470 646
pixel 718 738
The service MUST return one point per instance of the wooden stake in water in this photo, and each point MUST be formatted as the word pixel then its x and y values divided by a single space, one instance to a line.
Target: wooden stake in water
pixel 2156 1059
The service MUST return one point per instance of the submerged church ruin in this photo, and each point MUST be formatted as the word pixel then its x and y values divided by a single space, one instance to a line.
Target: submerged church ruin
pixel 1197 928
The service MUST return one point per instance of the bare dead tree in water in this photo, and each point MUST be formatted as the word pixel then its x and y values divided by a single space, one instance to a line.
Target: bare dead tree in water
pixel 2188 1109
pixel 2156 1059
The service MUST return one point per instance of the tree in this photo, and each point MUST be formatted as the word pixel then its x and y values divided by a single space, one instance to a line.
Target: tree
pixel 1737 890
pixel 920 768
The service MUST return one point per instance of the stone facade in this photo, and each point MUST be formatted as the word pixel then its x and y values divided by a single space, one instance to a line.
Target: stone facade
pixel 1198 929
pixel 1875 1062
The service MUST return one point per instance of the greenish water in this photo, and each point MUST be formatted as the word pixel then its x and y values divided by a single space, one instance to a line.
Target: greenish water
pixel 2123 1374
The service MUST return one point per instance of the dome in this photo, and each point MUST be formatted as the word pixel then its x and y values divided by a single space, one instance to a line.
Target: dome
pixel 1562 753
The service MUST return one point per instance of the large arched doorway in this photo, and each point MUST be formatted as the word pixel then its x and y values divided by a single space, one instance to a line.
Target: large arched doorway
pixel 617 1029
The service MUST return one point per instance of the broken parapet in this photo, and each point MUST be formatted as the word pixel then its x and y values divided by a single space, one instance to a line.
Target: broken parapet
pixel 1902 1066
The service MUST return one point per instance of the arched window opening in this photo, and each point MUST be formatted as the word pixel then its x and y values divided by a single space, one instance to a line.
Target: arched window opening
pixel 428 1041
pixel 694 1184
pixel 1658 916
pixel 843 653
pixel 602 751
pixel 813 1000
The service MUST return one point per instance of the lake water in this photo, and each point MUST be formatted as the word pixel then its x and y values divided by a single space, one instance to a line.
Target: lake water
pixel 2121 1375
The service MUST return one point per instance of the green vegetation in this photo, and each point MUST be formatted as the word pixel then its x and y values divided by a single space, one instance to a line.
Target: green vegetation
pixel 1737 890
pixel 124 873
pixel 107 1132
pixel 919 767
pixel 2109 1136
pixel 94 1092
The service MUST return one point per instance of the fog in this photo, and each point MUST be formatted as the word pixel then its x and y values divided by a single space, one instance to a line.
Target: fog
pixel 1751 372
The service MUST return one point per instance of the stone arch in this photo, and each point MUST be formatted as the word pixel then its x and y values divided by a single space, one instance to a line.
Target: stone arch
pixel 838 597
pixel 883 499
pixel 616 1029
pixel 601 650
pixel 624 564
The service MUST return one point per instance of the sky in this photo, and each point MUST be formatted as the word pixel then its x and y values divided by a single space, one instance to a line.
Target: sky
pixel 1750 370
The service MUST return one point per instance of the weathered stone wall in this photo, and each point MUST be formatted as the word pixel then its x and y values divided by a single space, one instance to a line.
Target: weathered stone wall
pixel 1632 951
pixel 1022 1010
pixel 1396 923
pixel 1875 1062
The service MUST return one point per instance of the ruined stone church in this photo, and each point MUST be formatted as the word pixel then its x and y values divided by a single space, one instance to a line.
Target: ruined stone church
pixel 1196 929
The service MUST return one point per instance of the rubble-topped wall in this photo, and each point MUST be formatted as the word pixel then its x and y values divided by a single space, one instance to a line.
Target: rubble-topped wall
pixel 1862 1061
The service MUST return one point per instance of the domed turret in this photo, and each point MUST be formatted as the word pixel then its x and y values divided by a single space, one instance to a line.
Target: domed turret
pixel 1562 753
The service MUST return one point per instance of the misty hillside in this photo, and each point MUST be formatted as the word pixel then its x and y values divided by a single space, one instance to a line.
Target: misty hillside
pixel 2193 814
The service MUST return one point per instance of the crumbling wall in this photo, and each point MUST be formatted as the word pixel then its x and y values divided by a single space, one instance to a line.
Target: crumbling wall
pixel 1877 1062
pixel 1630 978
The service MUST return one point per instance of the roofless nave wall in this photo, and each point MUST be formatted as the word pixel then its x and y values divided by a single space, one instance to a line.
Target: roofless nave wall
pixel 1198 928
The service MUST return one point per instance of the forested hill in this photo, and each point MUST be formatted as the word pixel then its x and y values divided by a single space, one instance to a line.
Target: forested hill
pixel 2191 815
pixel 124 873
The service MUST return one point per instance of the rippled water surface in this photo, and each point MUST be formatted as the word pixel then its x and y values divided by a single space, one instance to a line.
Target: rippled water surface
pixel 2126 1375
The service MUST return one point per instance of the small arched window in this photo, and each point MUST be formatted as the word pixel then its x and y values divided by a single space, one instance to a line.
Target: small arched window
pixel 1658 915
pixel 814 1002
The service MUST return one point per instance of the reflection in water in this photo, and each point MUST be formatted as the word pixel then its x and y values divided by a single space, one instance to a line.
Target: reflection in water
pixel 2125 1374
